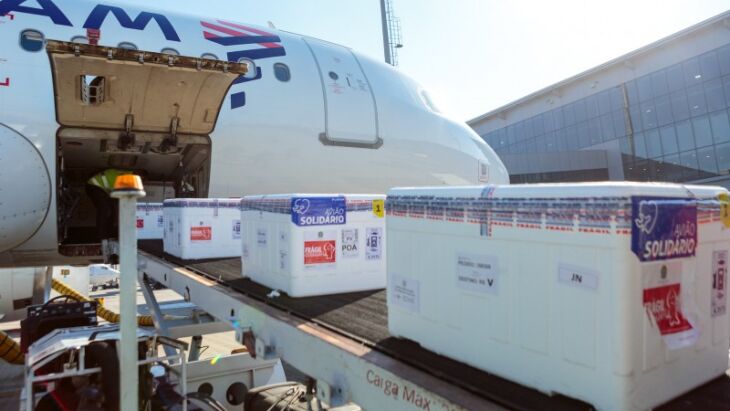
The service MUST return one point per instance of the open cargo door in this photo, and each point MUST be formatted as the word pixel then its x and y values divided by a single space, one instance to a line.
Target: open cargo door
pixel 148 112
pixel 101 87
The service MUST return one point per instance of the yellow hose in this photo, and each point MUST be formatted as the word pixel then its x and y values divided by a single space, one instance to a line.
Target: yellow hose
pixel 10 350
pixel 111 316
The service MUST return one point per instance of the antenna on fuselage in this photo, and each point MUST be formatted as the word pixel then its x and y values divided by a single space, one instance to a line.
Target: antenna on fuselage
pixel 391 32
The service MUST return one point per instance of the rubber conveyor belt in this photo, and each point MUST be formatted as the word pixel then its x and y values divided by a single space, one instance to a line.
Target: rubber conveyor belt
pixel 363 316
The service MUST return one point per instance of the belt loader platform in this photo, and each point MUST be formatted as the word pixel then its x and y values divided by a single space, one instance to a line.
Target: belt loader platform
pixel 342 341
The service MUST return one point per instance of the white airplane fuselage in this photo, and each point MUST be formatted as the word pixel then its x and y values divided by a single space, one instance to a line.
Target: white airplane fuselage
pixel 337 122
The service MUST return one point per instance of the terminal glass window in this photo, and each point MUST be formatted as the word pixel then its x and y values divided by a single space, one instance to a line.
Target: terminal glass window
pixel 672 124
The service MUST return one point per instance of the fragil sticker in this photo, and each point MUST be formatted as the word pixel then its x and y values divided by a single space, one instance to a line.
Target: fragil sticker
pixel 663 228
pixel 201 233
pixel 719 283
pixel 320 248
pixel 312 211
pixel 665 305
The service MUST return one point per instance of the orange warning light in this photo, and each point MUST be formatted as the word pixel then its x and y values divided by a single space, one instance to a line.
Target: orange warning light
pixel 128 182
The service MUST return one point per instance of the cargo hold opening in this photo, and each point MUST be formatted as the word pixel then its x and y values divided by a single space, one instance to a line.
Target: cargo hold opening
pixel 149 113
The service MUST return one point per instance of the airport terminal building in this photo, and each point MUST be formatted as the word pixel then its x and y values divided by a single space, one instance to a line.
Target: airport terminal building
pixel 660 113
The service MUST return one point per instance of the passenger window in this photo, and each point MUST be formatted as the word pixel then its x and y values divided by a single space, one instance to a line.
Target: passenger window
pixel 127 45
pixel 282 73
pixel 79 39
pixel 209 56
pixel 250 66
pixel 170 51
pixel 32 40
pixel 333 75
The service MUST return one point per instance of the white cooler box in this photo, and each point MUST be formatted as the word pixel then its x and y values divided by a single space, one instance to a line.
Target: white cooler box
pixel 201 228
pixel 314 244
pixel 601 292
pixel 150 224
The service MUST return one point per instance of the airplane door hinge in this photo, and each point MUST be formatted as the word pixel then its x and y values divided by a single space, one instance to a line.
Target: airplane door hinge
pixel 171 140
pixel 126 139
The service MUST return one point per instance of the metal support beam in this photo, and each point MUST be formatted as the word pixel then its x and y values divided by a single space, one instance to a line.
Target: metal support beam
pixel 129 389
pixel 386 36
pixel 195 344
pixel 154 308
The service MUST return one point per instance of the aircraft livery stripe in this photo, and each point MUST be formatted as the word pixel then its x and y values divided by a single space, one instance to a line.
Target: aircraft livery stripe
pixel 249 29
pixel 221 29
pixel 238 99
pixel 260 45
pixel 256 54
pixel 268 37
pixel 240 40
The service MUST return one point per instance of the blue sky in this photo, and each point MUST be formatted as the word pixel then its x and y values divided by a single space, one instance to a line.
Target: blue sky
pixel 476 55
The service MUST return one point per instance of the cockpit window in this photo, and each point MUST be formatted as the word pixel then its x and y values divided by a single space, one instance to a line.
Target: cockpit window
pixel 32 40
pixel 428 101
pixel 281 71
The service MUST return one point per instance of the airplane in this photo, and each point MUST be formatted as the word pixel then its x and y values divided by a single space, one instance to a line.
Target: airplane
pixel 200 107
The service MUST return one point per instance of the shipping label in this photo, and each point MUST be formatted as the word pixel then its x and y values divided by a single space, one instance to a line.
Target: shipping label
pixel 724 209
pixel 374 243
pixel 379 208
pixel 261 237
pixel 404 292
pixel 314 211
pixel 201 233
pixel 478 273
pixel 663 301
pixel 663 228
pixel 236 229
pixel 349 246
pixel 140 223
pixel 580 277
pixel 719 283
pixel 284 251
